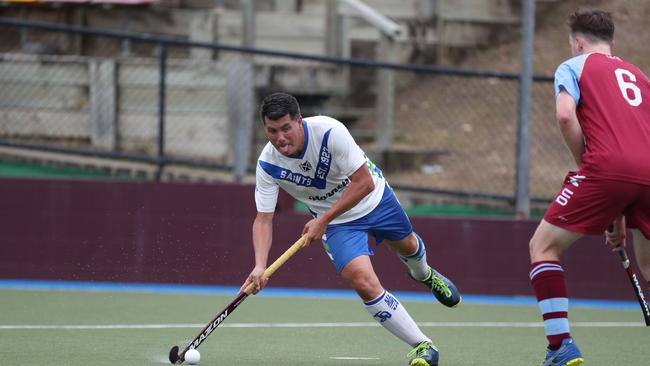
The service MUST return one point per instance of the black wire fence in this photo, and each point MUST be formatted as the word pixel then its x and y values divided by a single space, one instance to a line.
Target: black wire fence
pixel 169 102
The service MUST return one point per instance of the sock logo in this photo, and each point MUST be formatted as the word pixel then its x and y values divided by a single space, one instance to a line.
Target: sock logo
pixel 391 302
pixel 382 316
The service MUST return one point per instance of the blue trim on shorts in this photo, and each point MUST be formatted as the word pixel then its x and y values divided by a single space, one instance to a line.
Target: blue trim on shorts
pixel 346 241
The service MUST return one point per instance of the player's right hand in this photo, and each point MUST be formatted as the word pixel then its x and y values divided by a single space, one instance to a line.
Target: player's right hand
pixel 257 279
pixel 314 230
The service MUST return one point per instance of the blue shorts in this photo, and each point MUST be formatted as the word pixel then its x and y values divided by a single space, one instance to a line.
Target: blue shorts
pixel 344 242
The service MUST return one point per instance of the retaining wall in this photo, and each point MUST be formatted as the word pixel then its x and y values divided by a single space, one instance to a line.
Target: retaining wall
pixel 200 234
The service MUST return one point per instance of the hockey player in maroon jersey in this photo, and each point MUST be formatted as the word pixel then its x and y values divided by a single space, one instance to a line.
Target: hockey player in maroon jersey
pixel 603 111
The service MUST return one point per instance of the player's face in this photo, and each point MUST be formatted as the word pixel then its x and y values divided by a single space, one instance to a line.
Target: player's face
pixel 285 134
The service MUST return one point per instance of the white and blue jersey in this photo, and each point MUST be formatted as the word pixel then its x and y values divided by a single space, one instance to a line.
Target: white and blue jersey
pixel 318 177
pixel 319 174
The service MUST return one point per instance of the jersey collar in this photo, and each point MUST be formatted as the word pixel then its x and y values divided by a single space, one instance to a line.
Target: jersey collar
pixel 304 145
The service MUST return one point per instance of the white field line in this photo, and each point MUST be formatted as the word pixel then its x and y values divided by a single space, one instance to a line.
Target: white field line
pixel 323 325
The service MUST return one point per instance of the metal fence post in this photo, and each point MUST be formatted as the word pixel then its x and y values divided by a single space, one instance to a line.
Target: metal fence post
pixel 385 99
pixel 522 198
pixel 248 23
pixel 241 104
pixel 332 29
pixel 160 158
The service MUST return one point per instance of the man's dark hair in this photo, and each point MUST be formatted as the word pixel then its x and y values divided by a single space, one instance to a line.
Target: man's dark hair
pixel 595 25
pixel 278 105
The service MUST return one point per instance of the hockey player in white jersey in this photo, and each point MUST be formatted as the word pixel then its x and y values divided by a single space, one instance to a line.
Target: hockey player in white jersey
pixel 317 162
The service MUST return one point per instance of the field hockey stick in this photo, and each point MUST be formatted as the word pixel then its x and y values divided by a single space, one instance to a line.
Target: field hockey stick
pixel 633 279
pixel 177 358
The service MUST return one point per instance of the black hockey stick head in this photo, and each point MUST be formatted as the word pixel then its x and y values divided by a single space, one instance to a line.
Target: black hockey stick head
pixel 174 357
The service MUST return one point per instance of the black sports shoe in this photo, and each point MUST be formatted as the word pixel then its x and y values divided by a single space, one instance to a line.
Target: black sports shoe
pixel 424 354
pixel 444 290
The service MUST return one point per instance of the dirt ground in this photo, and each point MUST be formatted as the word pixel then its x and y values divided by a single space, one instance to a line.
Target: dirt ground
pixel 473 121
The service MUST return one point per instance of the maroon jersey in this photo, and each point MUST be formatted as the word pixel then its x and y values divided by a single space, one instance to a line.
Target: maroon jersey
pixel 614 113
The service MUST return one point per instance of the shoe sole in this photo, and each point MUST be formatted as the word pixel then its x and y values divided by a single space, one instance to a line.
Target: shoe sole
pixel 458 303
pixel 452 306
pixel 575 362
pixel 419 362
pixel 460 300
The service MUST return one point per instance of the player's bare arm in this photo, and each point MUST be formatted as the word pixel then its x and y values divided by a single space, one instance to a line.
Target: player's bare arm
pixel 567 120
pixel 262 234
pixel 361 185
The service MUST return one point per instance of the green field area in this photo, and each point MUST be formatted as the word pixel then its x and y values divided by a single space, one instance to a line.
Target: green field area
pixel 109 328
pixel 27 170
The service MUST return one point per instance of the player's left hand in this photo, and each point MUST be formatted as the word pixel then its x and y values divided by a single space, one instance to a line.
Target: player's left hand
pixel 616 238
pixel 314 229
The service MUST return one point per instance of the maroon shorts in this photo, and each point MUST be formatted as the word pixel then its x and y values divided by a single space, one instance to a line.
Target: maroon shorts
pixel 588 205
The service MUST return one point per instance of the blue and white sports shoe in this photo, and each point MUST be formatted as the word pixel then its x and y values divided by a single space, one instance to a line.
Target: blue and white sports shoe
pixel 567 355
pixel 443 289
pixel 424 354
